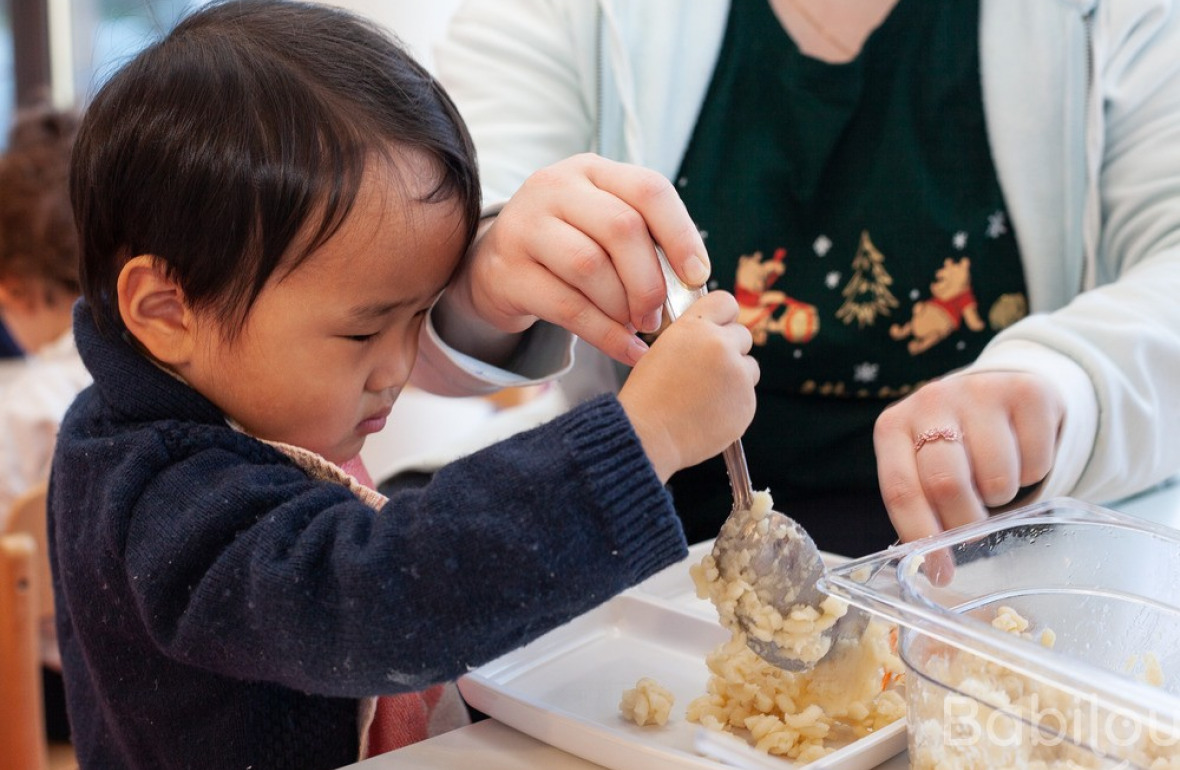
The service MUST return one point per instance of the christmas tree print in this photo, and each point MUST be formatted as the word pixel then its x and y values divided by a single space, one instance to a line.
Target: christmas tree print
pixel 867 295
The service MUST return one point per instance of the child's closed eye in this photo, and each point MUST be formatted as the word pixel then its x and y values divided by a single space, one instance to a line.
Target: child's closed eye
pixel 419 314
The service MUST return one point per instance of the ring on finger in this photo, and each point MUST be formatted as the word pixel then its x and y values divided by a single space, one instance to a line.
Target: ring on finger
pixel 936 434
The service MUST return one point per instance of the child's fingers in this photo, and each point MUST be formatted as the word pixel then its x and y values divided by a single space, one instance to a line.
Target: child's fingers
pixel 753 369
pixel 719 307
pixel 744 340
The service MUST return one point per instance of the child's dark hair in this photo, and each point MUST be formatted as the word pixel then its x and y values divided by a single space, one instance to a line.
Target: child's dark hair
pixel 242 132
pixel 37 238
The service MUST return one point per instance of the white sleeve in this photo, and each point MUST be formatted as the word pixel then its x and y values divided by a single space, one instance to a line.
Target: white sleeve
pixel 1123 334
pixel 1114 354
pixel 545 353
pixel 522 75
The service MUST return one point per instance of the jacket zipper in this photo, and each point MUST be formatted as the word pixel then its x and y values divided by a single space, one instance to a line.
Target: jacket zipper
pixel 598 72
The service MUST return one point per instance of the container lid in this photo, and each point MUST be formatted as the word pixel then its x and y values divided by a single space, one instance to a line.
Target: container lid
pixel 1106 584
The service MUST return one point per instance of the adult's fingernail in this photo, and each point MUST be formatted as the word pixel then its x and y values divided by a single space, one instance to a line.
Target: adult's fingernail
pixel 651 321
pixel 696 271
pixel 636 350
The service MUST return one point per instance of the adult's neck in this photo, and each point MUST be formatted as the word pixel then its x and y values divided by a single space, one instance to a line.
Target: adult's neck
pixel 831 30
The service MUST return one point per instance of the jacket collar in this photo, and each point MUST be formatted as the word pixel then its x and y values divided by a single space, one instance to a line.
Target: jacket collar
pixel 130 382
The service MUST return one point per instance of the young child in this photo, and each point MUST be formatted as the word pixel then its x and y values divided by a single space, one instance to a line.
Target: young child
pixel 38 288
pixel 270 201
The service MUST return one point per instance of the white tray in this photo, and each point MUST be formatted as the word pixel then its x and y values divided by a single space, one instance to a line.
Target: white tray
pixel 564 688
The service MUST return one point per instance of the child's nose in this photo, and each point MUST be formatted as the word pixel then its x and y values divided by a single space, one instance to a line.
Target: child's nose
pixel 392 366
pixel 390 373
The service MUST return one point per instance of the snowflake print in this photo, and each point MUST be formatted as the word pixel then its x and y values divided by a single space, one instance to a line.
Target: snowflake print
pixel 798 353
pixel 961 346
pixel 997 225
pixel 914 294
pixel 832 279
pixel 866 372
pixel 960 240
pixel 682 182
pixel 822 245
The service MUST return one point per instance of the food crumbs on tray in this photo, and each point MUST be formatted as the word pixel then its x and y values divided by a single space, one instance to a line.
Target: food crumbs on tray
pixel 648 703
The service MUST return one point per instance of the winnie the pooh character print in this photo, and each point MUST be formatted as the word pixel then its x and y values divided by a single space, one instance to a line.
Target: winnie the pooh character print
pixel 766 311
pixel 951 304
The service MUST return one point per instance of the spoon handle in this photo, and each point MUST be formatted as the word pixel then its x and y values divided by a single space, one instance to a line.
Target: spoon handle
pixel 739 476
pixel 680 296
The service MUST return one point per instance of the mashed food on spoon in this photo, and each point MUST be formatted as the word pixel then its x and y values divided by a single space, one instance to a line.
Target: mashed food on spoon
pixel 804 715
pixel 734 586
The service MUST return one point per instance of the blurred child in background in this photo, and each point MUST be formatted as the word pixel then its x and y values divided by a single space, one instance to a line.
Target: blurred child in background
pixel 38 288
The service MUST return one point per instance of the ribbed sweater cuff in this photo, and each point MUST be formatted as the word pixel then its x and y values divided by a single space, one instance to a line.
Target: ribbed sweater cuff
pixel 639 517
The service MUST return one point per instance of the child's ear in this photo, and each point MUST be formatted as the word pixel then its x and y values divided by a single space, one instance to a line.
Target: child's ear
pixel 155 311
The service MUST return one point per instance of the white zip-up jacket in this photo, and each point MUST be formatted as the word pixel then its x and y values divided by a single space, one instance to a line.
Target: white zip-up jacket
pixel 1082 99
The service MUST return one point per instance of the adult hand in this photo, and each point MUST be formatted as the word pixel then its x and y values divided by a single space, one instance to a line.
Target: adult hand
pixel 987 435
pixel 575 246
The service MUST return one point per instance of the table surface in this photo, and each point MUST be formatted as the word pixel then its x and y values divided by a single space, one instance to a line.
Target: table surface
pixel 492 745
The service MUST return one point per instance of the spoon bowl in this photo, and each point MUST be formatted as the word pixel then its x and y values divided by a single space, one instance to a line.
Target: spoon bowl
pixel 769 559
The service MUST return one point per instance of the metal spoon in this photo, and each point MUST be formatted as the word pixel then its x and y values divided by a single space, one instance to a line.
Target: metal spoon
pixel 773 553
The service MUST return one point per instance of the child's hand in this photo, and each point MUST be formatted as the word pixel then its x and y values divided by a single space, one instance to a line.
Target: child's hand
pixel 575 246
pixel 693 393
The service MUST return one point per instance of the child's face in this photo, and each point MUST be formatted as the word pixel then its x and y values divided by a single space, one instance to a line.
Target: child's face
pixel 33 314
pixel 326 349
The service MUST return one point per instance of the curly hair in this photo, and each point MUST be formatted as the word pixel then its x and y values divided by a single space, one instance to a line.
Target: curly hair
pixel 38 240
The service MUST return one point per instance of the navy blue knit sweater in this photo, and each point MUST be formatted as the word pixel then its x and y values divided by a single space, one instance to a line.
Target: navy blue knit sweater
pixel 217 608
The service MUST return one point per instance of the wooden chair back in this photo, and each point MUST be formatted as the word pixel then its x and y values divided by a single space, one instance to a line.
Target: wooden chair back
pixel 29 515
pixel 22 721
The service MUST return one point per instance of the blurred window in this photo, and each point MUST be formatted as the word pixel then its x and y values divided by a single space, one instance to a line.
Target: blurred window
pixel 107 33
pixel 98 36
pixel 7 74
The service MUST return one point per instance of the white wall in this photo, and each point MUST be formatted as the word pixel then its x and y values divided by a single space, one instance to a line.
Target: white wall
pixel 418 23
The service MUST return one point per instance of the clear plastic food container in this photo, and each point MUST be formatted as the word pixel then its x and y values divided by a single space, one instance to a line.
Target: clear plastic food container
pixel 1093 680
